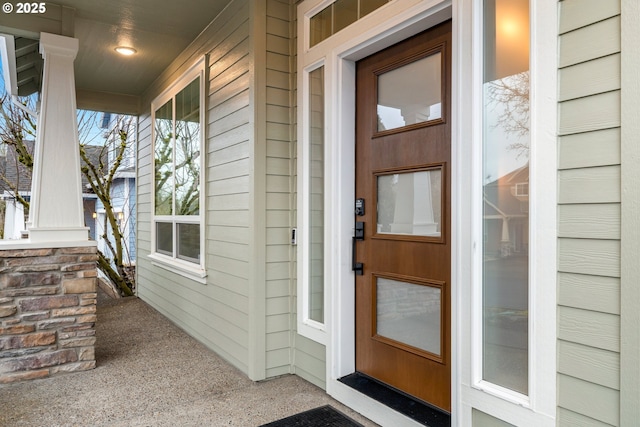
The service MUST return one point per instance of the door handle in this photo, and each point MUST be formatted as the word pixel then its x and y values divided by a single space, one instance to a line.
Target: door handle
pixel 357 267
pixel 359 230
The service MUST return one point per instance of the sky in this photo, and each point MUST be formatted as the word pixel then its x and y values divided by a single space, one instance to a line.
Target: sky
pixel 498 158
pixel 91 134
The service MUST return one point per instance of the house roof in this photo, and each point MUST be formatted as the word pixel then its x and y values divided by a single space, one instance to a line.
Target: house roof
pixel 16 173
pixel 508 196
pixel 158 29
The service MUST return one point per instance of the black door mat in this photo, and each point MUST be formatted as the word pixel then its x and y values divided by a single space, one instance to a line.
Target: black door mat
pixel 417 410
pixel 324 416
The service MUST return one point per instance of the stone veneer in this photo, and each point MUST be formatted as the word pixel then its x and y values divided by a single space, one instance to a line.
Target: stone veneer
pixel 47 312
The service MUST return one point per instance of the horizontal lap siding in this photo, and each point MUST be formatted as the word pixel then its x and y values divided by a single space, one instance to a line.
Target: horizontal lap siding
pixel 279 130
pixel 215 313
pixel 589 213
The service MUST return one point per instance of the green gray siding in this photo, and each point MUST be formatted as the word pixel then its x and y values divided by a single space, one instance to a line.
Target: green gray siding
pixel 216 313
pixel 279 147
pixel 589 198
pixel 244 311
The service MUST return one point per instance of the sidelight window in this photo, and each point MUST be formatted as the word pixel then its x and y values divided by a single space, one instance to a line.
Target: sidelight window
pixel 315 303
pixel 505 195
pixel 311 174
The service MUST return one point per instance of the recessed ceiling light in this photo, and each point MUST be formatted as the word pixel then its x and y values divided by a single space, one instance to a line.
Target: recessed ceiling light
pixel 126 51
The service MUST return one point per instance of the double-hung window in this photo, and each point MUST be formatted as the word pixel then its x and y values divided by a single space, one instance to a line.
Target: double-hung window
pixel 178 201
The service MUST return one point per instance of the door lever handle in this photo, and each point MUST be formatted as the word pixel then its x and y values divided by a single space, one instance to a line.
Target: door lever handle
pixel 357 267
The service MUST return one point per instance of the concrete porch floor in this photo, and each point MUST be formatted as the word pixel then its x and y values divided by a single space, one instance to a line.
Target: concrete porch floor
pixel 150 373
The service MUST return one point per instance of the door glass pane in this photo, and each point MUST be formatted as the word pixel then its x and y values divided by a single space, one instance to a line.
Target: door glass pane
pixel 164 238
pixel 506 194
pixel 410 203
pixel 316 195
pixel 410 94
pixel 187 174
pixel 163 159
pixel 189 242
pixel 409 313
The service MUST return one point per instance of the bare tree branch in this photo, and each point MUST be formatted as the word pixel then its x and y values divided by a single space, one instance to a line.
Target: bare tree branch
pixel 100 172
pixel 511 95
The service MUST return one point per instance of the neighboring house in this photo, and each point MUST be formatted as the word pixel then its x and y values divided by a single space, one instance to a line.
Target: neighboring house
pixel 19 176
pixel 123 191
pixel 506 214
pixel 280 135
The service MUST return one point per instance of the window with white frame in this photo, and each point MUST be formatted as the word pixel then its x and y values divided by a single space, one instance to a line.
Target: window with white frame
pixel 178 142
pixel 512 320
pixel 338 15
pixel 311 302
pixel 505 153
pixel 316 196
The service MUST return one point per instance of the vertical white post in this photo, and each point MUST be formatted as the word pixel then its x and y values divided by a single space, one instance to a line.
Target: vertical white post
pixel 56 211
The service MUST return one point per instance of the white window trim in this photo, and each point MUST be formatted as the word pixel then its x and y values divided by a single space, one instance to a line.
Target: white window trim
pixel 193 271
pixel 307 327
pixel 538 408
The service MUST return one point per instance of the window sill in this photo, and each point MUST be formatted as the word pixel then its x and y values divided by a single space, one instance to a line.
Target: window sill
pixel 190 271
pixel 312 330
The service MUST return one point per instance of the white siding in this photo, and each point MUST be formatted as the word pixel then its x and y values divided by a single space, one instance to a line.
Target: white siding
pixel 589 213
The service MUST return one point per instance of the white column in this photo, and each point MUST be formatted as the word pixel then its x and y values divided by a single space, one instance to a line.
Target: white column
pixel 56 212
pixel 505 241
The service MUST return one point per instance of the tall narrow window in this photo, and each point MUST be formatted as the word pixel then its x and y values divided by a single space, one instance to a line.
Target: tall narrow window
pixel 505 191
pixel 316 196
pixel 178 181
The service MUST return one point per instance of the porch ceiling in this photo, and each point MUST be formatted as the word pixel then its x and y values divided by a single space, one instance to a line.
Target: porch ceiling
pixel 158 29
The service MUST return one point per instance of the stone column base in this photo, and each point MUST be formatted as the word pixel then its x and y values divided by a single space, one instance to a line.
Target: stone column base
pixel 47 312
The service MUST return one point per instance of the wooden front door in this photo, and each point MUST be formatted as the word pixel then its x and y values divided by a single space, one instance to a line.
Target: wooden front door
pixel 403 226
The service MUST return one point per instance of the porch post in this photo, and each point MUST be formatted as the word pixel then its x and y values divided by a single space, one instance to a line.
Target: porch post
pixel 56 213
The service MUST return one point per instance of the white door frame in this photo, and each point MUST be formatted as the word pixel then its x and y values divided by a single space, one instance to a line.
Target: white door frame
pixel 396 23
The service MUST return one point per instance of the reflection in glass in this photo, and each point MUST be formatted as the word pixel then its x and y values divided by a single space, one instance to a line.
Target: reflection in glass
pixel 368 6
pixel 410 94
pixel 339 15
pixel 187 169
pixel 345 12
pixel 410 203
pixel 177 160
pixel 409 313
pixel 506 194
pixel 163 159
pixel 316 195
pixel 164 237
pixel 320 26
pixel 189 242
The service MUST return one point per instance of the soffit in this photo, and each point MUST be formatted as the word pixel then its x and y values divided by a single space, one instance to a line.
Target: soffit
pixel 159 30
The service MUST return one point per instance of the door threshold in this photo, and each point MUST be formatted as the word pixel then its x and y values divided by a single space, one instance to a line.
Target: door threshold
pixel 410 407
